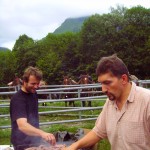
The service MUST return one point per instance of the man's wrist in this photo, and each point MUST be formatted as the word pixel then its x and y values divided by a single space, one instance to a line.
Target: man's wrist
pixel 40 132
pixel 75 145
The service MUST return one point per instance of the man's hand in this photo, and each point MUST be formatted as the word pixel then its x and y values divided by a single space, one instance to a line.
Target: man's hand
pixel 49 138
pixel 71 147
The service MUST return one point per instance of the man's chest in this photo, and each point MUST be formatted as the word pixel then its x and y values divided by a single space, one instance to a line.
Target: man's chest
pixel 126 125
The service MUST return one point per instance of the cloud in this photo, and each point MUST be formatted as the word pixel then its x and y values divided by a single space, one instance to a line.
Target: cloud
pixel 36 18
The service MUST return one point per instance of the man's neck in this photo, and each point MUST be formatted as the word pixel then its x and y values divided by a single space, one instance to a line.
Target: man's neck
pixel 123 98
pixel 23 89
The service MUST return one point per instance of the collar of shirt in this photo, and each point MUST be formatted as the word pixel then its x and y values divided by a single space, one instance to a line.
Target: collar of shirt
pixel 131 96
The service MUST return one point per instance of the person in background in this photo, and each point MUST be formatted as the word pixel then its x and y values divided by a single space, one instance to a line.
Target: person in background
pixel 24 113
pixel 125 118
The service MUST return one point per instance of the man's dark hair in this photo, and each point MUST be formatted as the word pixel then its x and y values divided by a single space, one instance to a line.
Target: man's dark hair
pixel 111 64
pixel 32 71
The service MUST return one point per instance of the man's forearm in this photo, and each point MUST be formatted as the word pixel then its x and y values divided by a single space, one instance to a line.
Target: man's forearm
pixel 88 140
pixel 30 130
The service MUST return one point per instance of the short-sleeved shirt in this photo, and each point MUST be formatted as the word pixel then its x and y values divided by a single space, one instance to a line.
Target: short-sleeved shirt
pixel 23 105
pixel 128 129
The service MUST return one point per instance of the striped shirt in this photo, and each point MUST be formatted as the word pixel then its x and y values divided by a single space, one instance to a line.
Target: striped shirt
pixel 128 129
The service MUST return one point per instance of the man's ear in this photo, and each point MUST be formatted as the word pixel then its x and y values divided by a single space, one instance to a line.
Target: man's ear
pixel 124 79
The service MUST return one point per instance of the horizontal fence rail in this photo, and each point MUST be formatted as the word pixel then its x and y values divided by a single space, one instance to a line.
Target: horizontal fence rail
pixel 59 90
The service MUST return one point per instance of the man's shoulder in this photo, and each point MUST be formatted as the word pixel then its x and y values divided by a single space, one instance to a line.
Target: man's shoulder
pixel 18 94
pixel 143 94
pixel 108 103
pixel 142 91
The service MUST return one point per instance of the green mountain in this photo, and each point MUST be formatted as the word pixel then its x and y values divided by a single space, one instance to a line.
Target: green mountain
pixel 71 25
pixel 4 49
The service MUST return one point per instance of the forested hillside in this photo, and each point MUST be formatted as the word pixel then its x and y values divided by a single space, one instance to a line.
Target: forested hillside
pixel 123 31
pixel 4 49
pixel 71 25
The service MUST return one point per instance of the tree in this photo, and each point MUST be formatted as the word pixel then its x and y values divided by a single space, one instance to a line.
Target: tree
pixel 99 37
pixel 7 65
pixel 23 53
pixel 60 56
pixel 136 34
pixel 50 66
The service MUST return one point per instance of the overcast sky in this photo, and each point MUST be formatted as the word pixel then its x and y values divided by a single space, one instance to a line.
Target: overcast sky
pixel 37 18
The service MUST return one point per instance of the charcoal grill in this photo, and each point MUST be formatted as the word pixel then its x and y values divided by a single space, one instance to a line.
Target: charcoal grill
pixel 62 138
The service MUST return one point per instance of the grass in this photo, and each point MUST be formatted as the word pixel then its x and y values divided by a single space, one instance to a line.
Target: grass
pixel 70 127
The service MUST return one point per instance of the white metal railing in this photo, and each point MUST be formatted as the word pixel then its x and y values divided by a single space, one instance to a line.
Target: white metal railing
pixel 74 90
pixel 70 89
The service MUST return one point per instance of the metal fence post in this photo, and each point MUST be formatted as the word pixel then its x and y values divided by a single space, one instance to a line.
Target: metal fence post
pixel 79 95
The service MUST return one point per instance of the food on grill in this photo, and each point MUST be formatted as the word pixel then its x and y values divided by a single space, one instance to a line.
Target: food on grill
pixel 32 148
pixel 58 147
pixel 42 147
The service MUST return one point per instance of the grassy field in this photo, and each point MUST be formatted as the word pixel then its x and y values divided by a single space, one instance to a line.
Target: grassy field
pixel 70 127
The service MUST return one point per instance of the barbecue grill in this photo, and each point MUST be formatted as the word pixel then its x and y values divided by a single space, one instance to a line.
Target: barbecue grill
pixel 63 138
